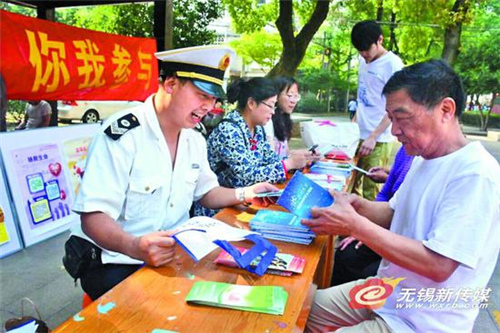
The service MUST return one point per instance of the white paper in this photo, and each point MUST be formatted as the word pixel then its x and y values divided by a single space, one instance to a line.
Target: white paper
pixel 198 233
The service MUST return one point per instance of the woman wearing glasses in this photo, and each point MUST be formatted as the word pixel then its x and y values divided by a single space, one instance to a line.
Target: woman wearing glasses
pixel 279 130
pixel 238 150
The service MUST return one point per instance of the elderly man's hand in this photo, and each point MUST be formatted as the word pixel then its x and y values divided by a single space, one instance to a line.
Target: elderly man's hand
pixel 338 219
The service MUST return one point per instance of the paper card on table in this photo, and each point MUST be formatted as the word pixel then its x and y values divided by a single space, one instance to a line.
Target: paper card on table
pixel 197 234
pixel 244 217
pixel 301 194
pixel 263 299
pixel 282 262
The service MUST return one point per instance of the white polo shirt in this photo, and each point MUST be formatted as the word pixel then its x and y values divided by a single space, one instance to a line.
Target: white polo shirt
pixel 132 179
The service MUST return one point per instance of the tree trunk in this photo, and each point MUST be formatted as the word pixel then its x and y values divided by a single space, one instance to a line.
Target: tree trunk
pixel 380 10
pixel 294 47
pixel 481 116
pixel 453 31
pixel 393 45
pixel 492 103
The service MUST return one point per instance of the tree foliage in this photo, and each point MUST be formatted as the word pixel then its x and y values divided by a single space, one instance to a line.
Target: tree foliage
pixel 191 20
pixel 252 15
pixel 260 47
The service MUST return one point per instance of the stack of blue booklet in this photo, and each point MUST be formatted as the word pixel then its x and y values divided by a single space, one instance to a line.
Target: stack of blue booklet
pixel 299 196
pixel 281 226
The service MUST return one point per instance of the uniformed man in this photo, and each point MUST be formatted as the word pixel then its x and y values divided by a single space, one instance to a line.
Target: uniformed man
pixel 144 170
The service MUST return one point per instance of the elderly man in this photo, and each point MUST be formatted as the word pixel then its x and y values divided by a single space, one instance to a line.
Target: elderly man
pixel 435 235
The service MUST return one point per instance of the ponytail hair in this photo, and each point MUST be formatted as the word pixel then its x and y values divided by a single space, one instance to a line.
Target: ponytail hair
pixel 257 88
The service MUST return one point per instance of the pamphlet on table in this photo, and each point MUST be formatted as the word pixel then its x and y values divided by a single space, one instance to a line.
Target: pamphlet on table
pixel 263 299
pixel 197 234
pixel 283 264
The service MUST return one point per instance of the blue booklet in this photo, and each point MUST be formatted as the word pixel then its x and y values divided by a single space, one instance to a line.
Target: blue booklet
pixel 301 194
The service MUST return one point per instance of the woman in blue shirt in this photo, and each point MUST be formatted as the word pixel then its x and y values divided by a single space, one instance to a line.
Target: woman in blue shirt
pixel 238 150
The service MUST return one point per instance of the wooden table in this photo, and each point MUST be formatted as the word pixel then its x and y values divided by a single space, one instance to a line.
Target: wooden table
pixel 154 298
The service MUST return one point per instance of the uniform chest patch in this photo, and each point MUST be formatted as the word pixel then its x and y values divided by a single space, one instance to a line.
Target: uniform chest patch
pixel 121 126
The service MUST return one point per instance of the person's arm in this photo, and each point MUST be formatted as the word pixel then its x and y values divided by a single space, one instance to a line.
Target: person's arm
pixel 369 144
pixel 220 197
pixel 155 249
pixel 46 113
pixel 45 121
pixel 403 251
pixel 23 123
pixel 342 219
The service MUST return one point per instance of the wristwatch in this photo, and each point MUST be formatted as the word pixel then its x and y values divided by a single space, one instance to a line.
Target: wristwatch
pixel 240 195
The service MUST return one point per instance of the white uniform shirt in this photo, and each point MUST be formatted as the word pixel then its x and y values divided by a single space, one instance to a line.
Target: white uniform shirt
pixel 132 180
pixel 372 78
pixel 451 204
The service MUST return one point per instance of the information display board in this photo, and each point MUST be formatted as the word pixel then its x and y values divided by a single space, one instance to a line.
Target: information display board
pixel 44 168
pixel 9 236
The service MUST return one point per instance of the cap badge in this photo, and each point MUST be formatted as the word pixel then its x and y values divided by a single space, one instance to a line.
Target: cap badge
pixel 224 62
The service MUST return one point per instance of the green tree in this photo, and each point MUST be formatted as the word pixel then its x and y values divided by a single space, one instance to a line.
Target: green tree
pixel 249 16
pixel 479 60
pixel 26 11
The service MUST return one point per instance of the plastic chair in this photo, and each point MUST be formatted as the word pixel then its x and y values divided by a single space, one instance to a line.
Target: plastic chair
pixel 86 300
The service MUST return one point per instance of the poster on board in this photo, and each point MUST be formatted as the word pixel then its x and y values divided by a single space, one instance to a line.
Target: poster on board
pixel 9 237
pixel 37 165
pixel 75 152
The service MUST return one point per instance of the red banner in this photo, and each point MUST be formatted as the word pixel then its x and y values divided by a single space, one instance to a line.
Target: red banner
pixel 40 59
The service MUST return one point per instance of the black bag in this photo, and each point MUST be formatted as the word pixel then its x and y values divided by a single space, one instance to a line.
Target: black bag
pixel 13 323
pixel 79 253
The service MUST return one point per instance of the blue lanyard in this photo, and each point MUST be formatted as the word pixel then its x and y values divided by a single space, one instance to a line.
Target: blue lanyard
pixel 262 248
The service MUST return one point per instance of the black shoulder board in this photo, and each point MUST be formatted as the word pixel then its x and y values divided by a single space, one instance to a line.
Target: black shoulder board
pixel 121 126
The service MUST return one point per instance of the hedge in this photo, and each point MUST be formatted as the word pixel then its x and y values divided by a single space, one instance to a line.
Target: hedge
pixel 474 119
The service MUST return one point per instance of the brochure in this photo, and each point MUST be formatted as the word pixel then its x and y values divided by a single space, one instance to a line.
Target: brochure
pixel 301 194
pixel 282 262
pixel 197 234
pixel 263 299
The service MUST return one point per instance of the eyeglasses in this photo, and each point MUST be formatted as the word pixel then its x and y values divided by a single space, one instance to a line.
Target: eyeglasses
pixel 293 97
pixel 273 107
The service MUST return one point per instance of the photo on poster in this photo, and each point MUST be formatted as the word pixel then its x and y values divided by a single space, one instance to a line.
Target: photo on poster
pixel 42 183
pixel 9 238
pixel 75 152
pixel 4 233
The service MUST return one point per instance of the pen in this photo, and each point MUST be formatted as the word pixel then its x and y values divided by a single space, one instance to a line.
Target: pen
pixel 359 169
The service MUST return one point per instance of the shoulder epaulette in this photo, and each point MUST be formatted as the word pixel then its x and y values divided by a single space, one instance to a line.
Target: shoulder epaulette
pixel 121 126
